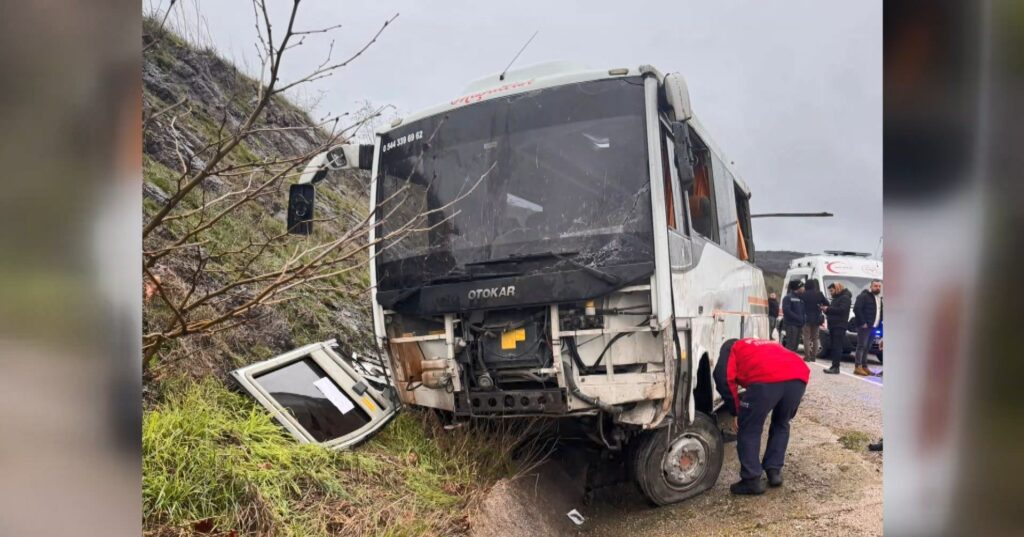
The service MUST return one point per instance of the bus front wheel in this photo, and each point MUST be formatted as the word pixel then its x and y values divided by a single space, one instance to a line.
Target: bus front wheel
pixel 669 470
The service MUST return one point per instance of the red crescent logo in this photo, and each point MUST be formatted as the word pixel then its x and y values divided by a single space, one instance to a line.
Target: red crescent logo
pixel 830 268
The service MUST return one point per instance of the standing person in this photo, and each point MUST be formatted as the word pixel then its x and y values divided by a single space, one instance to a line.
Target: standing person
pixel 838 316
pixel 775 380
pixel 773 315
pixel 868 313
pixel 793 314
pixel 813 299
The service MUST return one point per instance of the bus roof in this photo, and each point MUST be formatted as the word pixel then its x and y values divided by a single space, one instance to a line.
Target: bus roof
pixel 522 80
pixel 546 75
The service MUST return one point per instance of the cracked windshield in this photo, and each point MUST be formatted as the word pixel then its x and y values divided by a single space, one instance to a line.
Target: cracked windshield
pixel 558 175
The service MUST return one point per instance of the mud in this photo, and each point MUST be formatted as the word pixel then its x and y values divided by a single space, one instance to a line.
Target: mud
pixel 833 486
pixel 828 490
pixel 532 505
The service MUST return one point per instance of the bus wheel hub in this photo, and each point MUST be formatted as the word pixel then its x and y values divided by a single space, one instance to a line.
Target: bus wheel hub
pixel 686 461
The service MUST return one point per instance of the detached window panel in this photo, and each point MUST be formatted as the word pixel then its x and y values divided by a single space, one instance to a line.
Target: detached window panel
pixel 314 400
pixel 318 395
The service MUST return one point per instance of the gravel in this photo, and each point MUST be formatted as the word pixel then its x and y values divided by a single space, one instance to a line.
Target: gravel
pixel 829 488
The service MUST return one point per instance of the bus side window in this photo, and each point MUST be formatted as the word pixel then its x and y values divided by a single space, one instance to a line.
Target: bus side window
pixel 702 192
pixel 745 238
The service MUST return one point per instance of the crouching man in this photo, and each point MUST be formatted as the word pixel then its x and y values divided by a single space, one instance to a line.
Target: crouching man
pixel 775 379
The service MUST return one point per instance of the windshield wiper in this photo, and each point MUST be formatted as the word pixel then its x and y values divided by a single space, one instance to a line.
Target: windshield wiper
pixel 562 256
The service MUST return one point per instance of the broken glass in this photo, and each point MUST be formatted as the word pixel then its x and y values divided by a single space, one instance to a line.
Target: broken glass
pixel 555 170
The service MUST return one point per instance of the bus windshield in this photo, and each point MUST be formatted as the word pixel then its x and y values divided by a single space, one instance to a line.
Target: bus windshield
pixel 561 170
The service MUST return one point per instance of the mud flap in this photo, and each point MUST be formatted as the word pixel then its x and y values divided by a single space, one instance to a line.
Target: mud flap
pixel 321 396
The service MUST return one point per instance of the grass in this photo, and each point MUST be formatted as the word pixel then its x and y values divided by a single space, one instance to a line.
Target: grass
pixel 855 440
pixel 212 458
pixel 214 461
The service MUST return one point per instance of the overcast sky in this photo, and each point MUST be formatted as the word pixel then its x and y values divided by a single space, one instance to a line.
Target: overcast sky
pixel 791 90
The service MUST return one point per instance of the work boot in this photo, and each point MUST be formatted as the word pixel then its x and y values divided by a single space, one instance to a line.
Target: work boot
pixel 861 371
pixel 834 370
pixel 875 447
pixel 748 486
pixel 774 477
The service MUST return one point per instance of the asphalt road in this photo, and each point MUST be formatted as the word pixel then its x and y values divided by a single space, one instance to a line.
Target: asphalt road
pixel 833 485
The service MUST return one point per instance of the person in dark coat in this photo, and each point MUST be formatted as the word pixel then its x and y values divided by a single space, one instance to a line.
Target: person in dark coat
pixel 837 314
pixel 793 315
pixel 773 315
pixel 813 299
pixel 867 314
pixel 775 380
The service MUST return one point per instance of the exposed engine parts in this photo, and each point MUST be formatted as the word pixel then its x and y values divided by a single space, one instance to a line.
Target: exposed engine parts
pixel 435 374
pixel 505 362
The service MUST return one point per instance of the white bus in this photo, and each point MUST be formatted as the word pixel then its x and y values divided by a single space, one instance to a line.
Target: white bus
pixel 587 249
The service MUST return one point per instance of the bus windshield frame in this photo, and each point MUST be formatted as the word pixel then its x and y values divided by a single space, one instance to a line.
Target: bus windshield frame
pixel 559 176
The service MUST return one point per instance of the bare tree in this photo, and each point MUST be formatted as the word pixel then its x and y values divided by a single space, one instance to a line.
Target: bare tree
pixel 218 284
pixel 371 118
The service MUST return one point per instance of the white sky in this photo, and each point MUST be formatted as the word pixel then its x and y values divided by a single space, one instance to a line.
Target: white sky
pixel 790 90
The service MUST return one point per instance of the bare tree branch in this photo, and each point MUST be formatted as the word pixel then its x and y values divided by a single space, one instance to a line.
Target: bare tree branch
pixel 225 276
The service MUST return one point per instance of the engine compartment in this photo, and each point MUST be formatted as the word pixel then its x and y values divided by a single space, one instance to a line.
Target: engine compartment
pixel 570 358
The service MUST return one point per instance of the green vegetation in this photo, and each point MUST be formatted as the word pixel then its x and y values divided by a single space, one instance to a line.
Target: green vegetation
pixel 855 440
pixel 213 459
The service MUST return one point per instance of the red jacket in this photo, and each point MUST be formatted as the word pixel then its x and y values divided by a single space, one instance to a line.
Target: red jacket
pixel 753 361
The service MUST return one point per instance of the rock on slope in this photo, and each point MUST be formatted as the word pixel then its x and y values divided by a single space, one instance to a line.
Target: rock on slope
pixel 189 95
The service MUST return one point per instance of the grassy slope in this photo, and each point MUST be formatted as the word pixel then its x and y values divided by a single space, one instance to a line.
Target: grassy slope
pixel 213 461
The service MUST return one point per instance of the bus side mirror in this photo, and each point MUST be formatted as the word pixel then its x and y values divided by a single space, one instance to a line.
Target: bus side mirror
pixel 302 194
pixel 339 157
pixel 300 208
pixel 677 94
pixel 684 154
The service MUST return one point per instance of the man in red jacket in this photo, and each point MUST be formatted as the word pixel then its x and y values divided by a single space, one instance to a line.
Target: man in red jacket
pixel 775 379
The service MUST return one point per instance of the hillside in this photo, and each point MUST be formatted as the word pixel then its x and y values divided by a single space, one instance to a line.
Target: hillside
pixel 213 460
pixel 776 261
pixel 774 264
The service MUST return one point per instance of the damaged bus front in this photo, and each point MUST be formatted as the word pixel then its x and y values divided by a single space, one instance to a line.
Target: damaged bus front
pixel 562 243
pixel 514 233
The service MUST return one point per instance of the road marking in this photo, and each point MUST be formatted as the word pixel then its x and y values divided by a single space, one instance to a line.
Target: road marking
pixel 851 375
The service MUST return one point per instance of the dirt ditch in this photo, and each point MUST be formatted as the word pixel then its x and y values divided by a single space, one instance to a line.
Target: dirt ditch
pixel 833 486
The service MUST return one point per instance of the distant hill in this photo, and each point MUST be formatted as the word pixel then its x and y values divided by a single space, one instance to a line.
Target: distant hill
pixel 774 264
pixel 776 261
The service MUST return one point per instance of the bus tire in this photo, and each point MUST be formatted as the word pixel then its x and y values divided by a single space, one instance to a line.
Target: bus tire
pixel 672 470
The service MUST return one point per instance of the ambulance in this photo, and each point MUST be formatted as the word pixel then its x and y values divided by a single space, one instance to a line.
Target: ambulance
pixel 854 270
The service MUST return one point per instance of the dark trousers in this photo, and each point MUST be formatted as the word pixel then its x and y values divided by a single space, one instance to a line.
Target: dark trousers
pixel 772 321
pixel 792 336
pixel 865 338
pixel 837 337
pixel 781 399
